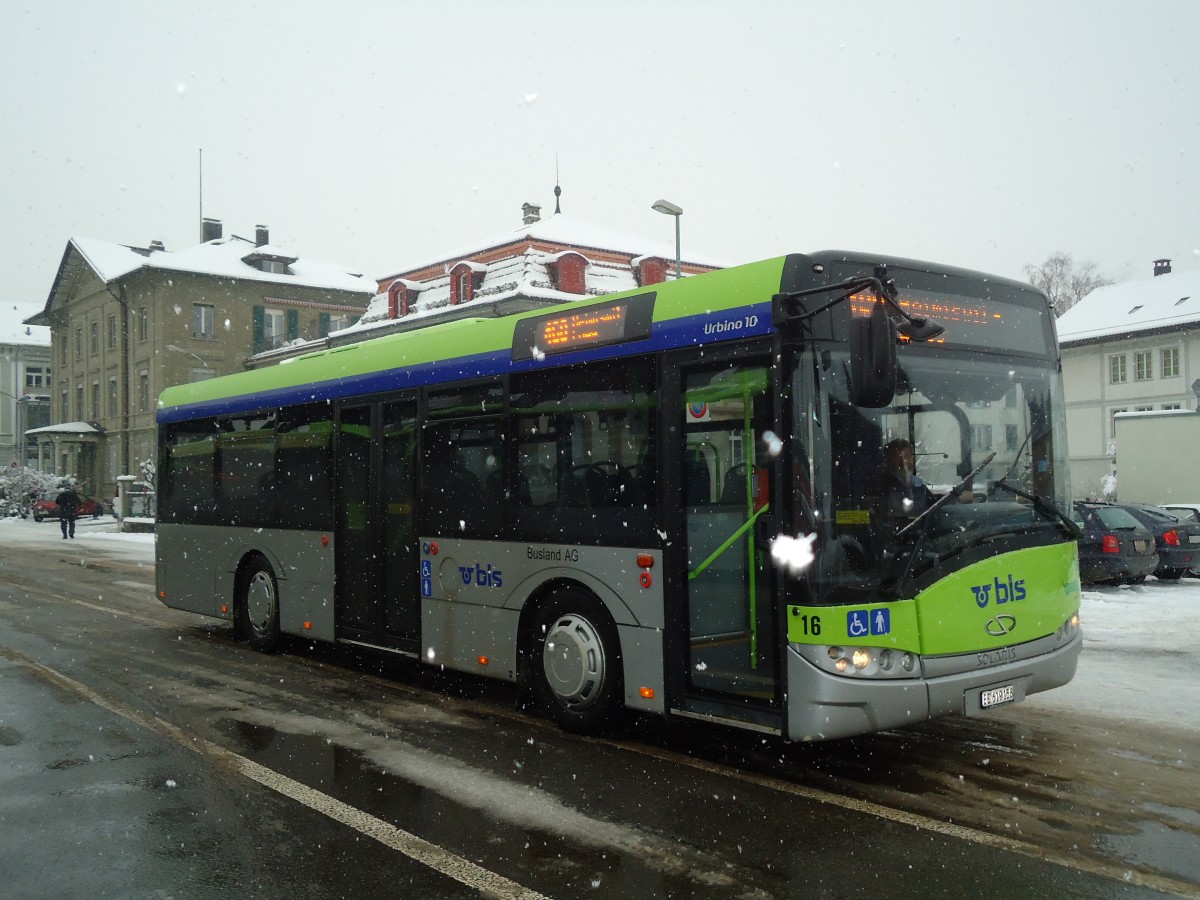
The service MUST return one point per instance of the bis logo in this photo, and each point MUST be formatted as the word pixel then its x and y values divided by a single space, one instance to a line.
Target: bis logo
pixel 480 576
pixel 1009 591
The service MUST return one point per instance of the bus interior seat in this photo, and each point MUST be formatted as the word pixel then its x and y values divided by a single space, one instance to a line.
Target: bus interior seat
pixel 733 488
pixel 698 483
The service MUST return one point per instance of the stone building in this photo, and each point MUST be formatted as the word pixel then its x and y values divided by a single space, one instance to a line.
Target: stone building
pixel 128 321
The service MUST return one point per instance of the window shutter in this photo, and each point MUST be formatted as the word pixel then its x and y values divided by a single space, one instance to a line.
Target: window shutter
pixel 293 324
pixel 259 317
pixel 324 324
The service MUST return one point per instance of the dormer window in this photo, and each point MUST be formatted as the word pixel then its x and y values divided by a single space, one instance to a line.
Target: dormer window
pixel 401 297
pixel 568 272
pixel 649 270
pixel 270 260
pixel 465 279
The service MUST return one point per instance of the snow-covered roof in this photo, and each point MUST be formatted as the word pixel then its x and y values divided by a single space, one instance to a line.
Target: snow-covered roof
pixel 1163 301
pixel 223 256
pixel 562 229
pixel 18 333
pixel 524 275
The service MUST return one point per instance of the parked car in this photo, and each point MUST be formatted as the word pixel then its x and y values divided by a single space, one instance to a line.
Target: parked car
pixel 1189 512
pixel 1114 547
pixel 46 508
pixel 1177 541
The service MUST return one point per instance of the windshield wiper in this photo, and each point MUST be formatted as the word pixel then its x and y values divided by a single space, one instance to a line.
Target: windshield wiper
pixel 926 517
pixel 954 493
pixel 1045 507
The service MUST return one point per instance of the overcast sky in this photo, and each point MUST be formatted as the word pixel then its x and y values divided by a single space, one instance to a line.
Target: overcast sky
pixel 382 134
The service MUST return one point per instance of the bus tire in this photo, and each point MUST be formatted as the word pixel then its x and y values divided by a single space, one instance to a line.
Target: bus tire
pixel 258 605
pixel 574 661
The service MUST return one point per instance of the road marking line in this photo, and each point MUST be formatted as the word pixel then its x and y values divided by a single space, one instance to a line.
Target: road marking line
pixel 428 854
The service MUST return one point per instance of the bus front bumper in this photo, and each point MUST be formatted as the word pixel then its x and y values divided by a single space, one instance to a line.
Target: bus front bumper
pixel 823 706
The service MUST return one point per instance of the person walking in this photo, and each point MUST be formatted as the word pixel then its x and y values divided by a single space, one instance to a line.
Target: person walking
pixel 68 510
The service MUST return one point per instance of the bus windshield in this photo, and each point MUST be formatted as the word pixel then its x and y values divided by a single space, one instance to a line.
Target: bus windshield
pixel 966 462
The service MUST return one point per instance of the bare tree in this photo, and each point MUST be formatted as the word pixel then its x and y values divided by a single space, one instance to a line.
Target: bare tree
pixel 1065 285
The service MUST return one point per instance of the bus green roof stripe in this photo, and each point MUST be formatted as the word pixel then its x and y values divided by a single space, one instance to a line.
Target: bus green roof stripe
pixel 466 338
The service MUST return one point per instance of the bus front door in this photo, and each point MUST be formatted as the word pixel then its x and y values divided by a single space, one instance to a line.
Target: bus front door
pixel 378 597
pixel 731 618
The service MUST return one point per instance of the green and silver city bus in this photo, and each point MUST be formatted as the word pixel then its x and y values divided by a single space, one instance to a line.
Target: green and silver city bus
pixel 583 499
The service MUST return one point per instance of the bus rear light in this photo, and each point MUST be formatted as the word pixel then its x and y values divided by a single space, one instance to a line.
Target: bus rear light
pixel 225 608
pixel 646 693
pixel 482 660
pixel 645 561
pixel 1171 538
pixel 1110 544
pixel 324 540
pixel 645 579
pixel 308 626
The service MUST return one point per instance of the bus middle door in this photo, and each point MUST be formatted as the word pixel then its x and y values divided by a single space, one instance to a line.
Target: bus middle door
pixel 731 621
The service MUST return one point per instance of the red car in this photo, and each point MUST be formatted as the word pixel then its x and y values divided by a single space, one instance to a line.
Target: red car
pixel 46 508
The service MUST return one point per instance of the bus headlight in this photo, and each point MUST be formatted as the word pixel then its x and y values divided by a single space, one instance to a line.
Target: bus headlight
pixel 861 662
pixel 1069 629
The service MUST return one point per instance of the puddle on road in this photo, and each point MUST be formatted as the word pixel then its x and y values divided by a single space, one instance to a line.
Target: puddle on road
pixel 1159 847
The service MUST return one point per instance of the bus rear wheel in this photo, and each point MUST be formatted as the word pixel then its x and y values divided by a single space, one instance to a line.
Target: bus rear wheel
pixel 574 663
pixel 258 605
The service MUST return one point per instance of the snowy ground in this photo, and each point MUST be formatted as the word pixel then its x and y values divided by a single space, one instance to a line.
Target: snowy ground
pixel 1141 658
pixel 1141 661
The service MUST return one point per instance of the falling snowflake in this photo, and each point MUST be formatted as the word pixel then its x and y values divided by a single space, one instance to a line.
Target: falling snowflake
pixel 793 554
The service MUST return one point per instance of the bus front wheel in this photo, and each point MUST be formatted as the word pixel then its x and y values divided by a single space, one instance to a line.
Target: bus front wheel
pixel 258 606
pixel 575 663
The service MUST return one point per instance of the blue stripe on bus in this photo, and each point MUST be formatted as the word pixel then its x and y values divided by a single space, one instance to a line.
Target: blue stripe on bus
pixel 687 331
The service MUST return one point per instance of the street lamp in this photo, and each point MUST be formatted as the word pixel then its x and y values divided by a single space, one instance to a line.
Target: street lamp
pixel 667 208
pixel 175 348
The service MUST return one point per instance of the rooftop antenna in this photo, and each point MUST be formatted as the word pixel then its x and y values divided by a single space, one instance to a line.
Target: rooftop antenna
pixel 557 189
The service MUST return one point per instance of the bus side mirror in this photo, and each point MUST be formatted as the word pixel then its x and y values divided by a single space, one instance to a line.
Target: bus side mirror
pixel 872 359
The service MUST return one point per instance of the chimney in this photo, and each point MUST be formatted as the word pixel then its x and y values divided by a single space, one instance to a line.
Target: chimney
pixel 530 213
pixel 1162 267
pixel 156 245
pixel 210 230
pixel 261 236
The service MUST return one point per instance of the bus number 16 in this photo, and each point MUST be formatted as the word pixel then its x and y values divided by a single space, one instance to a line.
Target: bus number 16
pixel 810 624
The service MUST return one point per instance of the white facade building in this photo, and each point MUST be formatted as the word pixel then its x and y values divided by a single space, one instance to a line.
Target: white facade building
pixel 24 388
pixel 1130 347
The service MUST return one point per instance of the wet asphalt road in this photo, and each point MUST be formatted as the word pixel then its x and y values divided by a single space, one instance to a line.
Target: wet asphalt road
pixel 145 753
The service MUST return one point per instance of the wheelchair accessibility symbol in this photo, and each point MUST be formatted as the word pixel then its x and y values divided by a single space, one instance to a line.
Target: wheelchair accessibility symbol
pixel 863 622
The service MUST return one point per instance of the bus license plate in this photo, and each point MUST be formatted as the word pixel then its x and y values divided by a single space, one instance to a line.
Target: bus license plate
pixel 996 696
pixel 1194 538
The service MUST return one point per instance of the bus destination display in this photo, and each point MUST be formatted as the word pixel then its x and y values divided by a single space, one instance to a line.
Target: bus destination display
pixel 593 326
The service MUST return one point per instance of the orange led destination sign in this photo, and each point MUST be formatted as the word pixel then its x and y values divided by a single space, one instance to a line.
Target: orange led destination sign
pixel 583 328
